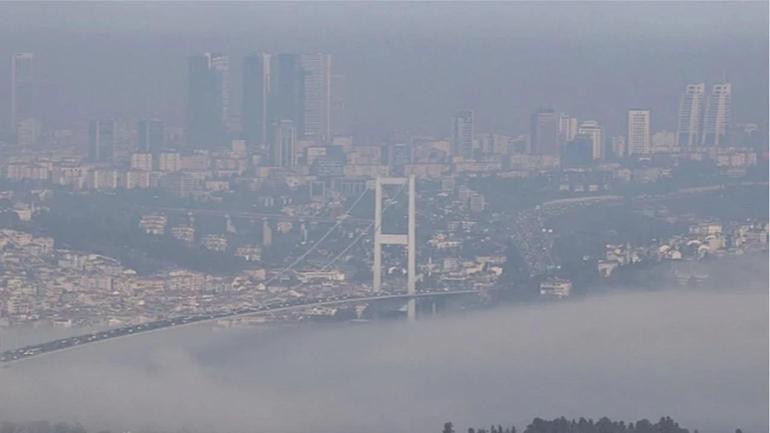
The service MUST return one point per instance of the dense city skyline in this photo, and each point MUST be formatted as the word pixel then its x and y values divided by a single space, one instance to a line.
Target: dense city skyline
pixel 663 66
pixel 290 97
pixel 705 111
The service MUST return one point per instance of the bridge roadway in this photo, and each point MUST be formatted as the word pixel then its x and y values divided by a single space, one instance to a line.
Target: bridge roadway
pixel 347 219
pixel 62 344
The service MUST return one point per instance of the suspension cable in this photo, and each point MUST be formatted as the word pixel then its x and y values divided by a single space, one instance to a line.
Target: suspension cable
pixel 302 256
pixel 357 238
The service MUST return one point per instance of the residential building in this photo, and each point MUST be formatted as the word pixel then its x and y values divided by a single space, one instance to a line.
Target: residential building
pixel 638 136
pixel 22 88
pixel 592 129
pixel 690 115
pixel 462 134
pixel 545 133
pixel 317 75
pixel 716 119
pixel 284 144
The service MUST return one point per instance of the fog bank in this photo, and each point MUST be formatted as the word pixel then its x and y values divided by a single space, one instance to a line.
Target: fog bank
pixel 700 357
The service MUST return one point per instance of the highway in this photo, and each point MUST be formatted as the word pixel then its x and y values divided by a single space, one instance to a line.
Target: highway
pixel 535 241
pixel 62 344
pixel 346 219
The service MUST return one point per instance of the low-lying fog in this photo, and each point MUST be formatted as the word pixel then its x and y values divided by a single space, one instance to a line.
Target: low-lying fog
pixel 698 356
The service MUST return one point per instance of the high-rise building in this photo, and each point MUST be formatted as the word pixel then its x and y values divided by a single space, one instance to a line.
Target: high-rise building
pixel 287 94
pixel 638 136
pixel 592 129
pixel 22 88
pixel 220 67
pixel 317 69
pixel 716 119
pixel 618 146
pixel 28 132
pixel 663 141
pixel 284 144
pixel 545 133
pixel 151 136
pixel 578 152
pixel 567 128
pixel 256 94
pixel 462 134
pixel 690 115
pixel 330 164
pixel 339 115
pixel 101 134
pixel 207 99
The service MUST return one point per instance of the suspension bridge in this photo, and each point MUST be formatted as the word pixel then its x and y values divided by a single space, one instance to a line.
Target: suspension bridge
pixel 380 239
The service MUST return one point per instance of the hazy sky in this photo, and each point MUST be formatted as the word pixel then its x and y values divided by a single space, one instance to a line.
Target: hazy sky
pixel 409 66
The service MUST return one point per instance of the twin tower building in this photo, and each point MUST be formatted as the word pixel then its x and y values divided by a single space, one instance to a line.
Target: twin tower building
pixel 284 97
pixel 704 120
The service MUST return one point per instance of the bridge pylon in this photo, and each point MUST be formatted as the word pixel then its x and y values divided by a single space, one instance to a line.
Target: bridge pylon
pixel 407 238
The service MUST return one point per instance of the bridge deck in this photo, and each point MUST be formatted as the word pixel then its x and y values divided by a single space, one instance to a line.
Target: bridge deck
pixel 83 340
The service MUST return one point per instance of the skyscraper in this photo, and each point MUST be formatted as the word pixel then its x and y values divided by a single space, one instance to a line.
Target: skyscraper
pixel 338 114
pixel 592 129
pixel 287 94
pixel 317 70
pixel 690 114
pixel 220 67
pixel 284 144
pixel 578 152
pixel 22 88
pixel 545 133
pixel 256 93
pixel 28 131
pixel 207 99
pixel 638 127
pixel 101 134
pixel 150 136
pixel 567 128
pixel 716 119
pixel 462 134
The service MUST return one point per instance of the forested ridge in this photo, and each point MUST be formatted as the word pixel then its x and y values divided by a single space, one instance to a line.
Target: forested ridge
pixel 583 425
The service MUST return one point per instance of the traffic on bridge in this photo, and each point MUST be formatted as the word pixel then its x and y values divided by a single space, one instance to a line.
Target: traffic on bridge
pixel 165 324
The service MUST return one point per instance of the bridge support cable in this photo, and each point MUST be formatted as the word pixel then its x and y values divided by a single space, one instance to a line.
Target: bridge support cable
pixel 381 239
pixel 313 247
pixel 358 238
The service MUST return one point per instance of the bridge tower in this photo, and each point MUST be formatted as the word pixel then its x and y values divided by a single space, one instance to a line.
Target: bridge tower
pixel 407 239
